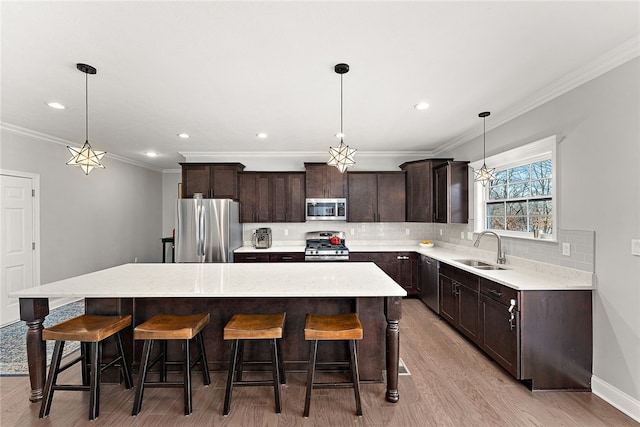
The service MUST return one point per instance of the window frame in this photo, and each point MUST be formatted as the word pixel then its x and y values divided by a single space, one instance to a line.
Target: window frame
pixel 543 149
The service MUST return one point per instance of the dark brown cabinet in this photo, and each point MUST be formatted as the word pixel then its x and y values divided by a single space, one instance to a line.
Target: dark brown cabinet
pixel 541 337
pixel 269 257
pixel 271 196
pixel 459 299
pixel 213 180
pixel 420 188
pixel 324 181
pixel 400 266
pixel 451 192
pixel 376 197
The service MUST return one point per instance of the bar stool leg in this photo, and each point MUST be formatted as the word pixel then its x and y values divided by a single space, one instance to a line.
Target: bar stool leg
pixel 203 360
pixel 355 376
pixel 230 377
pixel 94 382
pixel 240 360
pixel 51 379
pixel 84 353
pixel 187 377
pixel 275 364
pixel 310 374
pixel 283 378
pixel 163 361
pixel 128 381
pixel 146 352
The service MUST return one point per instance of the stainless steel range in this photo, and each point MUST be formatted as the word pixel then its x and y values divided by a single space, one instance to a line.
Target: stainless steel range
pixel 326 246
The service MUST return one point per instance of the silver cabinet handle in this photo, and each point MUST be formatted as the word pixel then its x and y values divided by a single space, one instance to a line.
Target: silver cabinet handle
pixel 402 257
pixel 512 314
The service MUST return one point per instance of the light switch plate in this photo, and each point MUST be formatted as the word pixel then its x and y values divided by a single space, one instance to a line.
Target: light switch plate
pixel 286 232
pixel 635 247
pixel 462 235
pixel 407 231
pixel 441 231
pixel 566 249
pixel 469 235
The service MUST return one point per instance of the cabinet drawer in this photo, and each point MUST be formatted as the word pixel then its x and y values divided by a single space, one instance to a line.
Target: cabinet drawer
pixel 463 277
pixel 251 257
pixel 287 257
pixel 497 292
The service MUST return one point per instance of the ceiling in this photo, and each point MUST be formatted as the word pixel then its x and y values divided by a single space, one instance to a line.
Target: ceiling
pixel 226 71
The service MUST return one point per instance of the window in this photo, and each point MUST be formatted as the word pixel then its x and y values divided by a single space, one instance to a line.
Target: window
pixel 520 201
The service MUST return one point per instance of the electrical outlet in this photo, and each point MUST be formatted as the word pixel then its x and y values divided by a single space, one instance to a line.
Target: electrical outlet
pixel 286 232
pixel 407 231
pixel 566 249
pixel 469 235
pixel 353 232
pixel 635 247
pixel 462 235
pixel 441 231
pixel 135 259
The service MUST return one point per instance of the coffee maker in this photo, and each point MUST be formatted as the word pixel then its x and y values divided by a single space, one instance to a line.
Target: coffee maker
pixel 262 238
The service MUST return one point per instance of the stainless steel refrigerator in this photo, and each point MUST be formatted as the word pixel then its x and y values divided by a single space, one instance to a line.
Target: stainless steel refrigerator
pixel 207 230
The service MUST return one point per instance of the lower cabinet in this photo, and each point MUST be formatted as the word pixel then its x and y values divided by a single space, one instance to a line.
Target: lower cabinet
pixel 400 266
pixel 541 337
pixel 269 257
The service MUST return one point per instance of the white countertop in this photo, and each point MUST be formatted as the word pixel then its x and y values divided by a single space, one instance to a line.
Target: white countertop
pixel 538 276
pixel 317 279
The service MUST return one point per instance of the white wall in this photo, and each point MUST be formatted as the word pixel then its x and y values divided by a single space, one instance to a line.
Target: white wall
pixel 88 223
pixel 598 189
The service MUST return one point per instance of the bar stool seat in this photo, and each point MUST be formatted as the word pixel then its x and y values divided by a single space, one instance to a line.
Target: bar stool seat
pixel 91 330
pixel 162 328
pixel 337 327
pixel 243 327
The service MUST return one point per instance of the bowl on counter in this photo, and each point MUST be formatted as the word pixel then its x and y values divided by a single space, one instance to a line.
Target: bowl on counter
pixel 426 245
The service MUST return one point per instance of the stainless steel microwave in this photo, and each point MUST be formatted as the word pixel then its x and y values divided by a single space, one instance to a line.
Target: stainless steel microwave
pixel 326 209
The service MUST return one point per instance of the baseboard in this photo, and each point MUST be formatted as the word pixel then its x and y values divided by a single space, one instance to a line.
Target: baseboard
pixel 616 398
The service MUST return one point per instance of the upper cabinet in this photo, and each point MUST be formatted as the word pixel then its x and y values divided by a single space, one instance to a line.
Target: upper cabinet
pixel 376 197
pixel 420 188
pixel 324 181
pixel 272 196
pixel 213 180
pixel 451 192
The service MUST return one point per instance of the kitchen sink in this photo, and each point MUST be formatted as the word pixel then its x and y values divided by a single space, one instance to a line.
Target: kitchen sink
pixel 480 265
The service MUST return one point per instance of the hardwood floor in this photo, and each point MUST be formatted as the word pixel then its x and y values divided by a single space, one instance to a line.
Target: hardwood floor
pixel 452 383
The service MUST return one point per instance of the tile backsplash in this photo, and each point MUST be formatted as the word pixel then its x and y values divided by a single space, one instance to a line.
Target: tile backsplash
pixel 582 243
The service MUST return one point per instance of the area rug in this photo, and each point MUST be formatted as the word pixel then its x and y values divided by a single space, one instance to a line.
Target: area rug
pixel 13 344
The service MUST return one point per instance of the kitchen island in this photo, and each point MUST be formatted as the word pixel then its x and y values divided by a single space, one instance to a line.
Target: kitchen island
pixel 144 290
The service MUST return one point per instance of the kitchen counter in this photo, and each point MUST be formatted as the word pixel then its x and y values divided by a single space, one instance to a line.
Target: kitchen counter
pixel 222 290
pixel 518 275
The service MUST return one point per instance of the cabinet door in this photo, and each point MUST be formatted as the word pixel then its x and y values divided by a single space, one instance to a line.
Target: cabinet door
pixel 458 188
pixel 500 338
pixel 315 180
pixel 468 318
pixel 295 197
pixel 419 192
pixel 440 194
pixel 264 204
pixel 363 197
pixel 392 200
pixel 448 299
pixel 248 197
pixel 279 197
pixel 336 182
pixel 195 179
pixel 224 182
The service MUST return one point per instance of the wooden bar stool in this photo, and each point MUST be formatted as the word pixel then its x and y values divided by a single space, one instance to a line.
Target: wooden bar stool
pixel 243 327
pixel 162 328
pixel 320 327
pixel 91 331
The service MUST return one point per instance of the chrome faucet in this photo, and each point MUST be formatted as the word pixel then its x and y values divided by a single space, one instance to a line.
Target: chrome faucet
pixel 501 258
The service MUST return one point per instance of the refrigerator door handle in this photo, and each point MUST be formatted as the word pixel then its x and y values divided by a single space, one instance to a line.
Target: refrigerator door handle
pixel 200 232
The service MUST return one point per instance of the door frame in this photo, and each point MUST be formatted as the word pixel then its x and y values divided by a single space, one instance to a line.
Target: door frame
pixel 35 179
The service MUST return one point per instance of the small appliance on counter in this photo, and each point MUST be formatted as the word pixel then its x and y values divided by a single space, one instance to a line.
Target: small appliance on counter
pixel 262 238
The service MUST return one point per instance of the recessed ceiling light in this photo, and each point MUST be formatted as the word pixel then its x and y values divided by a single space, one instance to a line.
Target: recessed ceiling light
pixel 56 105
pixel 151 154
pixel 184 135
pixel 262 135
pixel 339 135
pixel 421 106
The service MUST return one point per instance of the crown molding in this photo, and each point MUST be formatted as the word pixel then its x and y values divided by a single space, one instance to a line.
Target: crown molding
pixel 614 58
pixel 49 138
pixel 199 156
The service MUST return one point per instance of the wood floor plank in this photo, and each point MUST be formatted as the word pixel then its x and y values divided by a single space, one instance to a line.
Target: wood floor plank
pixel 452 383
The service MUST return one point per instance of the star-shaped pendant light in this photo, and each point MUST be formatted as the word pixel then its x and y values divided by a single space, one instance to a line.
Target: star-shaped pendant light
pixel 86 157
pixel 342 155
pixel 484 174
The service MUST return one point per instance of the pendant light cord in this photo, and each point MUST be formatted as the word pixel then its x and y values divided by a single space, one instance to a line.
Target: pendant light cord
pixel 341 114
pixel 86 106
pixel 484 140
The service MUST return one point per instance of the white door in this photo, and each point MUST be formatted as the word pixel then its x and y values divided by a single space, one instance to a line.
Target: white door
pixel 17 251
